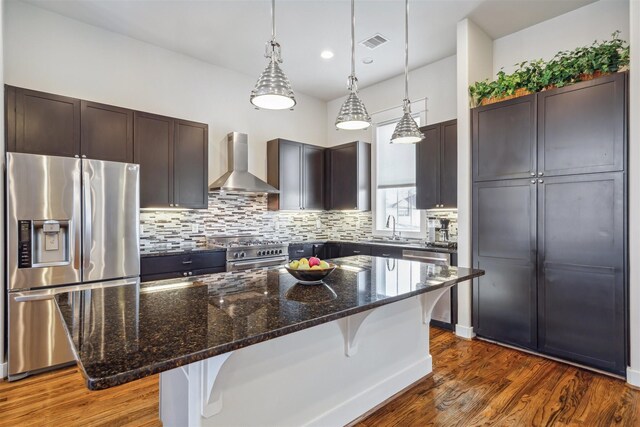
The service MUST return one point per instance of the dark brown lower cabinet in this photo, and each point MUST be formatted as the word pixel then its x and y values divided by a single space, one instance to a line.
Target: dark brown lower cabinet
pixel 182 265
pixel 504 245
pixel 581 263
pixel 554 254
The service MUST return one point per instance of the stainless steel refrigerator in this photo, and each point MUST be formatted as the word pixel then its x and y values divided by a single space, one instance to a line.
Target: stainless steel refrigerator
pixel 72 224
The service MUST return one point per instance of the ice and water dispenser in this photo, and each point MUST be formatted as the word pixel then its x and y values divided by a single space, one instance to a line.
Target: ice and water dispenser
pixel 43 243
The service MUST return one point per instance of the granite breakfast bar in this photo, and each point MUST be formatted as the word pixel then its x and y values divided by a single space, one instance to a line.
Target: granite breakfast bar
pixel 255 347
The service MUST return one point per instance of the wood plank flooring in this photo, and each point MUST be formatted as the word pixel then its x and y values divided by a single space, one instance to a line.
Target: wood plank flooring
pixel 474 383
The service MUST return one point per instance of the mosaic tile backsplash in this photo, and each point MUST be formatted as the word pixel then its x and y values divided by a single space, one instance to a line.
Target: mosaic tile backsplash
pixel 233 214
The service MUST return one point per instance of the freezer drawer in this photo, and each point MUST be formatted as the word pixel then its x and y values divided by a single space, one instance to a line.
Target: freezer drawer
pixel 37 338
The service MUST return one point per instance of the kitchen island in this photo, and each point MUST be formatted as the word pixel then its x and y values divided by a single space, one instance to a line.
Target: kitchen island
pixel 255 347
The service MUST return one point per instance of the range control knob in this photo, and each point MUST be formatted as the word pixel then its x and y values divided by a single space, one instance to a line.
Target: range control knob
pixel 259 253
pixel 242 255
pixel 235 255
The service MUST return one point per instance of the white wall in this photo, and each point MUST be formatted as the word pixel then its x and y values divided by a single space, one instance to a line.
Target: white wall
pixel 573 29
pixel 633 373
pixel 2 272
pixel 474 49
pixel 436 81
pixel 52 53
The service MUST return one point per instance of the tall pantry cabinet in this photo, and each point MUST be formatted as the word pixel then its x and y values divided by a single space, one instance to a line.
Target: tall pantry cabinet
pixel 549 222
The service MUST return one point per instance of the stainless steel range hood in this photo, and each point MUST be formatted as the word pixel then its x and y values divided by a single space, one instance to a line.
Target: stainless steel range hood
pixel 238 178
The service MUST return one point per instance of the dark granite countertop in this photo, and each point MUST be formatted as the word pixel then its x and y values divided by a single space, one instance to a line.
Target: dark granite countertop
pixel 126 333
pixel 153 252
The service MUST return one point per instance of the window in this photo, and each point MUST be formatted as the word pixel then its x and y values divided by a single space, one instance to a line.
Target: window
pixel 395 184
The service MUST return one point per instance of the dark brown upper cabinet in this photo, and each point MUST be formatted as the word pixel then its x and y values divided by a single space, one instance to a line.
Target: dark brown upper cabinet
pixel 297 170
pixel 437 166
pixel 348 177
pixel 190 167
pixel 504 139
pixel 107 132
pixel 582 127
pixel 42 123
pixel 173 161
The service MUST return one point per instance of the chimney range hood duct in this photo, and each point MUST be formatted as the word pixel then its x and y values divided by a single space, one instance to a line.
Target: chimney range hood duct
pixel 238 178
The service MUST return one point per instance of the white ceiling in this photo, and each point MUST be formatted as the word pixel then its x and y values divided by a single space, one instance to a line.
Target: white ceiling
pixel 232 33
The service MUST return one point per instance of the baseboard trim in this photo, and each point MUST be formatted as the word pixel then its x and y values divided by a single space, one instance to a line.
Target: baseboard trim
pixel 465 332
pixel 633 377
pixel 375 396
pixel 3 371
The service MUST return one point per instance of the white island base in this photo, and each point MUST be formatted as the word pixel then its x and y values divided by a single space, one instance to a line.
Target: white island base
pixel 326 375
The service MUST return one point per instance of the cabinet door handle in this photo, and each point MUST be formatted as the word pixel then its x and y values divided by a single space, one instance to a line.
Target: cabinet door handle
pixel 187 262
pixel 541 181
pixel 540 173
pixel 184 274
pixel 533 181
pixel 299 251
pixel 533 174
pixel 356 252
pixel 386 254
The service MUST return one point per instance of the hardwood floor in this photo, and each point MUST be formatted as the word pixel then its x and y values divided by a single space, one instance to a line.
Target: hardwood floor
pixel 478 383
pixel 61 399
pixel 474 383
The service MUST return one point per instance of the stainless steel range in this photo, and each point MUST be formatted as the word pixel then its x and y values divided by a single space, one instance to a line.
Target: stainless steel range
pixel 246 252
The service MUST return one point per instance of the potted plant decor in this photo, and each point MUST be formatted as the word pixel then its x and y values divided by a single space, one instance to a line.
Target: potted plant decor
pixel 566 67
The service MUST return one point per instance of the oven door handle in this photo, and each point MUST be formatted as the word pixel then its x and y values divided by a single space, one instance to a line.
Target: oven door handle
pixel 258 261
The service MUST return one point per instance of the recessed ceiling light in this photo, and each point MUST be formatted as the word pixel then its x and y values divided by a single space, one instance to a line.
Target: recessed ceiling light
pixel 367 60
pixel 326 54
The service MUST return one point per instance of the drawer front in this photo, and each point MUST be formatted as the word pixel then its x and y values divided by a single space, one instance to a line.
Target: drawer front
pixel 300 251
pixel 180 263
pixel 386 251
pixel 347 249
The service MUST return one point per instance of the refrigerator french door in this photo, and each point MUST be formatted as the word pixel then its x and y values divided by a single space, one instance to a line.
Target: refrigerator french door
pixel 70 222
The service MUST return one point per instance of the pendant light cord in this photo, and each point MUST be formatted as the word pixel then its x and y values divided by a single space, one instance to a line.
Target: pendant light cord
pixel 273 20
pixel 406 50
pixel 353 43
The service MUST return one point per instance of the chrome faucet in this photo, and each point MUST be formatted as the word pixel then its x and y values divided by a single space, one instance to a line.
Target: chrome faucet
pixel 393 234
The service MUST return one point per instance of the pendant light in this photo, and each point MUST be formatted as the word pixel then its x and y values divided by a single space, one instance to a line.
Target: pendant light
pixel 353 114
pixel 406 131
pixel 273 90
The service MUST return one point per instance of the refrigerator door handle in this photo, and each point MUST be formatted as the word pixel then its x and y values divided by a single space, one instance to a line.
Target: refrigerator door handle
pixel 34 298
pixel 87 217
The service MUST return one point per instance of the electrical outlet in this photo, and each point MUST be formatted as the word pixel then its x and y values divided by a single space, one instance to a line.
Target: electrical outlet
pixel 194 228
pixel 318 224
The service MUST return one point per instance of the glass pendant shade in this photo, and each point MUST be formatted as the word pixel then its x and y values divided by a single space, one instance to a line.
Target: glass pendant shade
pixel 353 114
pixel 273 90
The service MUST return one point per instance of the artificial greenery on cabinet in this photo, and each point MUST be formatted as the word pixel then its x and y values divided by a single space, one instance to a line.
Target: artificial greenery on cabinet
pixel 566 67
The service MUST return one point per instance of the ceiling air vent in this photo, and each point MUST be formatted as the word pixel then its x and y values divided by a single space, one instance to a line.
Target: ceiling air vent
pixel 374 41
